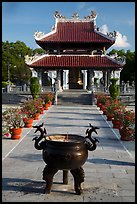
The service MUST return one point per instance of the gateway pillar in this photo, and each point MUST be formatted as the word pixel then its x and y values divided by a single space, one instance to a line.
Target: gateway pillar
pixel 84 79
pixel 65 79
pixel 91 81
pixel 59 88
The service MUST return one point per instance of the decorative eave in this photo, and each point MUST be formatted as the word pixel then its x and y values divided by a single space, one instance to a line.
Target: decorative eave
pixel 117 59
pixel 31 59
pixel 112 38
pixel 66 61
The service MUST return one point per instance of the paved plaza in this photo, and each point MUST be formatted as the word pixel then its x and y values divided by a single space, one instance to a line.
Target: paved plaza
pixel 109 170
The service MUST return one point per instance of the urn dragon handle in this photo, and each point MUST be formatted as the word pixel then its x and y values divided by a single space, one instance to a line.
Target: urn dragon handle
pixel 90 142
pixel 39 145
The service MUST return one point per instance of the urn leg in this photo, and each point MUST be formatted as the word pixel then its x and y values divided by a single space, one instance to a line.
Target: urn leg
pixel 78 175
pixel 65 176
pixel 48 174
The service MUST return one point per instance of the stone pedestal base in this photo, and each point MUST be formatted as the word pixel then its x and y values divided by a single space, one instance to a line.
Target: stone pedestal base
pixel 78 175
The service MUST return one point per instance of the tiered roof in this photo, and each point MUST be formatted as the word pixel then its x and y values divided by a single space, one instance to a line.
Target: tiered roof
pixel 72 61
pixel 79 31
pixel 70 34
pixel 74 31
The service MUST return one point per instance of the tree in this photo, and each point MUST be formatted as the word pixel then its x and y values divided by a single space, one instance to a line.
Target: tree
pixel 128 71
pixel 13 56
pixel 34 87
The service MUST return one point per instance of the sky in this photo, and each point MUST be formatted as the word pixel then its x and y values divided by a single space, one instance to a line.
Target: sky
pixel 20 20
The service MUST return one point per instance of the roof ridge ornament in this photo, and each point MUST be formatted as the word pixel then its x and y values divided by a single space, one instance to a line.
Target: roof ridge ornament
pixel 92 16
pixel 31 59
pixel 112 34
pixel 75 15
pixel 58 15
pixel 38 34
pixel 116 58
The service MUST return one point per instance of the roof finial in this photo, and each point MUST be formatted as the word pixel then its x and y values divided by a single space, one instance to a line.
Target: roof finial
pixel 92 16
pixel 58 15
pixel 75 15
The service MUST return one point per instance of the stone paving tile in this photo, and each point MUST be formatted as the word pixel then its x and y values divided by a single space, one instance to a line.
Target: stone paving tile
pixel 109 170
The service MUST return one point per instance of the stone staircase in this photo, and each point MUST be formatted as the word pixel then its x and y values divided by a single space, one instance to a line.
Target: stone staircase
pixel 74 97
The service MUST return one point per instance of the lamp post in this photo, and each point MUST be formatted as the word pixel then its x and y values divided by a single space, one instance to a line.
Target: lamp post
pixel 8 85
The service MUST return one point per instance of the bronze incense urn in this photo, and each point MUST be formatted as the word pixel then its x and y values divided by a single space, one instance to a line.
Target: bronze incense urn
pixel 64 152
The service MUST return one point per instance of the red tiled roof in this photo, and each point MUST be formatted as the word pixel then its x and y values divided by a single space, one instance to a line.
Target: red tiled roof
pixel 75 32
pixel 72 61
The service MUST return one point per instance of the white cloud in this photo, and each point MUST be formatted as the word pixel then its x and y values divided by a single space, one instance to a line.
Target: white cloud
pixel 121 40
pixel 104 29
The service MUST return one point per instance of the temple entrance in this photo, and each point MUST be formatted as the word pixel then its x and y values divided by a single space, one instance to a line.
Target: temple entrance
pixel 75 79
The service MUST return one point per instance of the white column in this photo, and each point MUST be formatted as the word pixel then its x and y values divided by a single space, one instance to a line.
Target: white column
pixel 52 75
pixel 105 80
pixel 40 77
pixel 84 79
pixel 65 79
pixel 59 80
pixel 91 80
pixel 109 73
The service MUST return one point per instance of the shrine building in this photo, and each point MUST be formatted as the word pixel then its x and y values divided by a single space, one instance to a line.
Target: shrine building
pixel 75 54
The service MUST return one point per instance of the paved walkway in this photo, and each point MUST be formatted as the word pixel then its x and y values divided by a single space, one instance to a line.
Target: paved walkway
pixel 109 170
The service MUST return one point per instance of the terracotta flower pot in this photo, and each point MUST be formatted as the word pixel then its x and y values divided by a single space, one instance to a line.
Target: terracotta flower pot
pixel 50 103
pixel 117 124
pixel 126 134
pixel 28 123
pixel 15 133
pixel 46 106
pixel 37 116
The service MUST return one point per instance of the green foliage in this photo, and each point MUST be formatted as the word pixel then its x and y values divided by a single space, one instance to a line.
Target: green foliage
pixel 13 60
pixel 114 89
pixel 38 51
pixel 34 87
pixel 5 83
pixel 128 71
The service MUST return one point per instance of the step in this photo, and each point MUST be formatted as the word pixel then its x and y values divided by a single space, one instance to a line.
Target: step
pixel 74 97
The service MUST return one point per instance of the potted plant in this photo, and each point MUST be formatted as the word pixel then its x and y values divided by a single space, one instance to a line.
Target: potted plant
pixel 31 109
pixel 47 99
pixel 50 98
pixel 111 107
pixel 34 87
pixel 117 118
pixel 101 100
pixel 5 130
pixel 127 131
pixel 114 89
pixel 39 104
pixel 13 118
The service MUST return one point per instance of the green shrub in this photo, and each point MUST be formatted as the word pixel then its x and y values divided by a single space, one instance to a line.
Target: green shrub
pixel 34 87
pixel 114 89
